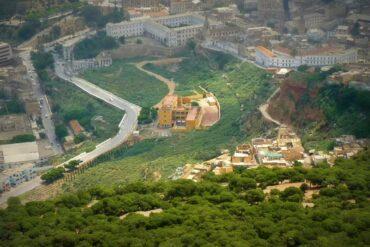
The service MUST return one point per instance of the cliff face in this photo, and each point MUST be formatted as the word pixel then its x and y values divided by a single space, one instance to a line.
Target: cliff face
pixel 293 104
pixel 320 108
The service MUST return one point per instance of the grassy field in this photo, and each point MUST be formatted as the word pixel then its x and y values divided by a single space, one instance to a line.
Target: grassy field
pixel 126 81
pixel 239 84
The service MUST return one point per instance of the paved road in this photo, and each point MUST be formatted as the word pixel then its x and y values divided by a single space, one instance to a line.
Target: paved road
pixel 263 109
pixel 127 125
pixel 19 190
pixel 46 113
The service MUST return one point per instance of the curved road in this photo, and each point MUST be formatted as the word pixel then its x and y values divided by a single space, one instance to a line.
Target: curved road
pixel 170 83
pixel 263 109
pixel 127 125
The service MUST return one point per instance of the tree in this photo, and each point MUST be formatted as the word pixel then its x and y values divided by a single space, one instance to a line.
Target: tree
pixel 191 45
pixel 292 194
pixel 139 41
pixel 28 29
pixel 91 14
pixel 72 165
pixel 122 40
pixel 61 131
pixel 53 175
pixel 79 138
pixel 23 138
pixel 221 60
pixel 42 60
pixel 254 196
pixel 356 29
pixel 91 47
pixel 147 115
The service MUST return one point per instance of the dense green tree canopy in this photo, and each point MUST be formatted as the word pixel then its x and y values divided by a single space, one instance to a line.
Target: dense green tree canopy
pixel 207 213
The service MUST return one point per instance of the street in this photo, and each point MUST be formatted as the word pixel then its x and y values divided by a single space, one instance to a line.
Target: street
pixel 127 125
pixel 46 112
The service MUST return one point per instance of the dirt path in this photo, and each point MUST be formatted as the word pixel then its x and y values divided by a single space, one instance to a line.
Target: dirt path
pixel 263 109
pixel 170 84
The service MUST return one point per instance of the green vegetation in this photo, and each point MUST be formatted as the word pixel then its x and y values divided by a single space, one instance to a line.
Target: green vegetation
pixel 72 165
pixel 126 81
pixel 207 213
pixel 147 115
pixel 11 106
pixel 236 85
pixel 346 108
pixel 94 16
pixel 61 131
pixel 19 139
pixel 69 102
pixel 53 175
pixel 321 110
pixel 91 47
pixel 28 29
pixel 42 60
pixel 79 138
pixel 23 138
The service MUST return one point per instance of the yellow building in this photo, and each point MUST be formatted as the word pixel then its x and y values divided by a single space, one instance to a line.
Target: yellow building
pixel 193 118
pixel 165 113
pixel 189 112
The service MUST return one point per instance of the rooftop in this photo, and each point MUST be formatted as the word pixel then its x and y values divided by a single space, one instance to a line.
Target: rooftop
pixel 265 51
pixel 169 101
pixel 192 115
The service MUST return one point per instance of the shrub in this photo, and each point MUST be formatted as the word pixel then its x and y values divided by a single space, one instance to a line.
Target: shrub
pixel 53 175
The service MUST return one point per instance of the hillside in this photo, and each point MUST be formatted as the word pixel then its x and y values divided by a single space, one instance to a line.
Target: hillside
pixel 320 110
pixel 248 86
pixel 231 210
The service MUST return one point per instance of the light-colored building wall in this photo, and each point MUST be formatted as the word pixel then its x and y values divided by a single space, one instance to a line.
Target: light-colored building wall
pixel 272 59
pixel 172 31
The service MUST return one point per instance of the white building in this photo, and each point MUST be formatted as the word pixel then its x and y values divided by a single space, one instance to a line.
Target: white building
pixel 102 60
pixel 318 57
pixel 172 31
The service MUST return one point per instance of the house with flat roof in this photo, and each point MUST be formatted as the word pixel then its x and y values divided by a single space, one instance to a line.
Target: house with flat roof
pixel 188 112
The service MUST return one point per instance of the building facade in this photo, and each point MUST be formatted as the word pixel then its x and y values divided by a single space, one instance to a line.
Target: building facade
pixel 171 31
pixel 104 59
pixel 268 58
pixel 6 54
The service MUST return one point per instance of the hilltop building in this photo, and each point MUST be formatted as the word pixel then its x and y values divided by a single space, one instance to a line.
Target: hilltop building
pixel 316 57
pixel 188 113
pixel 171 31
pixel 103 59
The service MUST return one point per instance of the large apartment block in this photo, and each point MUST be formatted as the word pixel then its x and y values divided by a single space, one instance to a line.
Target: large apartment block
pixel 172 31
pixel 6 54
pixel 317 57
